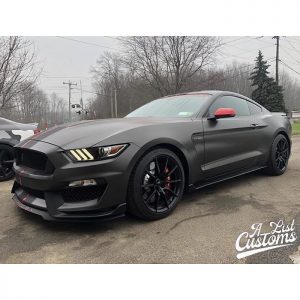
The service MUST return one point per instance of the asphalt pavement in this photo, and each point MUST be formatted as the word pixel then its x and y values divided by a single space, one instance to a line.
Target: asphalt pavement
pixel 203 228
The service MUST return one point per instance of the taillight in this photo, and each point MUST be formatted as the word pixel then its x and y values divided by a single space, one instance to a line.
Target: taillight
pixel 37 131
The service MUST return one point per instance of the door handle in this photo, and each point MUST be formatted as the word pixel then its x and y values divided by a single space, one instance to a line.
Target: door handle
pixel 253 125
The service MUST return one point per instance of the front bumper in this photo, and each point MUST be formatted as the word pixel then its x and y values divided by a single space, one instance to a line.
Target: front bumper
pixel 26 205
pixel 48 194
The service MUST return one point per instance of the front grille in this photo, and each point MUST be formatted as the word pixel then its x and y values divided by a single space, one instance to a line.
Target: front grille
pixel 34 160
pixel 84 193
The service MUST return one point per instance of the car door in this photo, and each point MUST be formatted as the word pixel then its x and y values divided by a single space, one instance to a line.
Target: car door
pixel 261 130
pixel 230 143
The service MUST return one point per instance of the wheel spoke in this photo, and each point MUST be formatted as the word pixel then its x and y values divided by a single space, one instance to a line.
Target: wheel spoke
pixel 172 171
pixel 150 197
pixel 147 185
pixel 165 198
pixel 150 174
pixel 166 165
pixel 172 192
pixel 156 200
pixel 173 181
pixel 157 166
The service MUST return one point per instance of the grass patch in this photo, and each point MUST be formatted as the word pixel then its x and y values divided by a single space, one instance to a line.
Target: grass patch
pixel 296 128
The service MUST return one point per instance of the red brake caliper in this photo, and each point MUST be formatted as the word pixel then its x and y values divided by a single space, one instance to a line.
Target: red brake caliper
pixel 167 184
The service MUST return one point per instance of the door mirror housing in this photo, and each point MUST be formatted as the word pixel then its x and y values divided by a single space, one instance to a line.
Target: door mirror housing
pixel 222 113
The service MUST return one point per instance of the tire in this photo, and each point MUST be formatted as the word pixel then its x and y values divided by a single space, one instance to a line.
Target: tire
pixel 279 156
pixel 156 185
pixel 6 170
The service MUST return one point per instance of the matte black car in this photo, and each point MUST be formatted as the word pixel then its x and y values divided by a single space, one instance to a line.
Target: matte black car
pixel 11 133
pixel 143 163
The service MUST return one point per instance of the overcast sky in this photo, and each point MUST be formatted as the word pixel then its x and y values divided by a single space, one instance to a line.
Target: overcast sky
pixel 64 59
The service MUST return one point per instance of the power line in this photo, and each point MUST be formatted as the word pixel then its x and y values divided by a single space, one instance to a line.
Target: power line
pixel 87 43
pixel 235 40
pixel 66 76
pixel 246 66
pixel 259 38
pixel 289 54
pixel 289 67
pixel 292 46
pixel 247 51
pixel 92 92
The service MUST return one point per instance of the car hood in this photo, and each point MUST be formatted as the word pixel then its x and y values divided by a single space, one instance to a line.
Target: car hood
pixel 89 133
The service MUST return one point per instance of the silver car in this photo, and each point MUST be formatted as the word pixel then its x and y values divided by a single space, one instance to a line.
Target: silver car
pixel 11 133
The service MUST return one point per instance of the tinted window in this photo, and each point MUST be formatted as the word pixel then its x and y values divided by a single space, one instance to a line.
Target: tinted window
pixel 254 109
pixel 238 104
pixel 175 106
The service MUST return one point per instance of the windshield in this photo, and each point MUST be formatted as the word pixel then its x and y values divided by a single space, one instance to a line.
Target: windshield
pixel 175 106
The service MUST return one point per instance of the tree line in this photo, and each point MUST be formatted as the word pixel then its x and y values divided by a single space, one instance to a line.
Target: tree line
pixel 20 97
pixel 152 67
pixel 148 67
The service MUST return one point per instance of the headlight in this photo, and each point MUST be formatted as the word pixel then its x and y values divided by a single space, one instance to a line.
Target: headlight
pixel 97 153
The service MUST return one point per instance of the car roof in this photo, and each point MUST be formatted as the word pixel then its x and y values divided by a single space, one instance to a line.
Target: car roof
pixel 209 92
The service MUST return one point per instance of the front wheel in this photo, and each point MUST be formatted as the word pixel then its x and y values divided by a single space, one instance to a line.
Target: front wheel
pixel 6 162
pixel 279 156
pixel 156 185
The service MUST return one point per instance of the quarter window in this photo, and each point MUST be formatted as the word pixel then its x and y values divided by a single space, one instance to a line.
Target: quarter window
pixel 238 104
pixel 254 109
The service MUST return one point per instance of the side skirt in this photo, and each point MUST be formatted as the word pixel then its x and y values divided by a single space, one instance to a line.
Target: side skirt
pixel 203 184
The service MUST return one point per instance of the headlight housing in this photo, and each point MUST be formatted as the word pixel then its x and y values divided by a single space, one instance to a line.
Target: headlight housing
pixel 96 153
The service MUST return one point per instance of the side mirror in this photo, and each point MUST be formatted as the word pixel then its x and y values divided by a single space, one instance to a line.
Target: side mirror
pixel 224 113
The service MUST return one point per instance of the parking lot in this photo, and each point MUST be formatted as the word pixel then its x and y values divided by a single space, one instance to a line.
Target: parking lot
pixel 203 228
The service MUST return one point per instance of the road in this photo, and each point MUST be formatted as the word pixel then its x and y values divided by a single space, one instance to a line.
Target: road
pixel 203 228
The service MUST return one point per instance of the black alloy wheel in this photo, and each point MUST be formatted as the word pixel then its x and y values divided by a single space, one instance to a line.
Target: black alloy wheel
pixel 280 154
pixel 6 162
pixel 157 185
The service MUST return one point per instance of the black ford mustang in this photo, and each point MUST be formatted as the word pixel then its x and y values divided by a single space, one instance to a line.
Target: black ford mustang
pixel 143 163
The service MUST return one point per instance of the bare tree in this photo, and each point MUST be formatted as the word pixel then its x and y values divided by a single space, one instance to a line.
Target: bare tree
pixel 16 69
pixel 33 105
pixel 57 109
pixel 167 63
pixel 109 68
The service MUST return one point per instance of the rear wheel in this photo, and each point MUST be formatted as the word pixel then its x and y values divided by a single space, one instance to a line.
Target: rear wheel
pixel 279 156
pixel 156 185
pixel 6 162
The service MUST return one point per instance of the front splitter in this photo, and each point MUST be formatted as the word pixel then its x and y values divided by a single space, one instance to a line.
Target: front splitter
pixel 118 212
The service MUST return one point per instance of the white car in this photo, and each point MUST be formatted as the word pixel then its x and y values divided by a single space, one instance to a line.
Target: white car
pixel 11 133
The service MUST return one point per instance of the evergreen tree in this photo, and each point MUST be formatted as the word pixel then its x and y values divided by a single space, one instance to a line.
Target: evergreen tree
pixel 275 100
pixel 267 92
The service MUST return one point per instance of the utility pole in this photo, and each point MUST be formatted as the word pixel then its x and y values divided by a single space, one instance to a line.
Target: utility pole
pixel 111 104
pixel 116 104
pixel 70 87
pixel 81 101
pixel 277 57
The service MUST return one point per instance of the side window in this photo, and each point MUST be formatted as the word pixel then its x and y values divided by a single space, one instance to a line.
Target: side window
pixel 254 109
pixel 238 104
